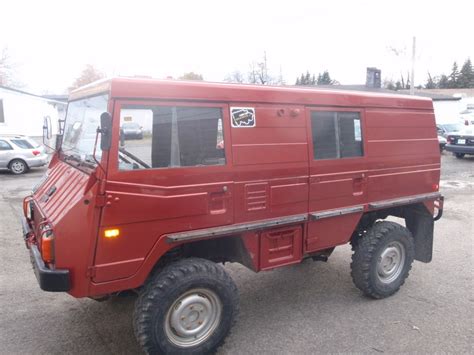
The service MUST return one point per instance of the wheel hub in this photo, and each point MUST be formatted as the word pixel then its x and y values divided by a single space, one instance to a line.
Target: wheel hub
pixel 390 262
pixel 193 317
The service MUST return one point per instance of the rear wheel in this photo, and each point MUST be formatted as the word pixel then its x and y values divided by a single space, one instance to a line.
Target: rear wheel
pixel 18 166
pixel 459 155
pixel 382 259
pixel 188 308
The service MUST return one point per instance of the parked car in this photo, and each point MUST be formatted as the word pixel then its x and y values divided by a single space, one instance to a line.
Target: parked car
pixel 20 153
pixel 444 129
pixel 467 119
pixel 461 143
pixel 442 143
pixel 131 130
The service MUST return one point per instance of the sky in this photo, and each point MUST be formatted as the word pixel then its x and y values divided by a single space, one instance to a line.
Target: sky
pixel 50 42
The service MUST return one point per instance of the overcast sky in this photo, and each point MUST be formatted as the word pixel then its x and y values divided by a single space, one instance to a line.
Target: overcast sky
pixel 51 41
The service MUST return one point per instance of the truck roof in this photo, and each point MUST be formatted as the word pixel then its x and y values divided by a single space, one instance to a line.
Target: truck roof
pixel 169 89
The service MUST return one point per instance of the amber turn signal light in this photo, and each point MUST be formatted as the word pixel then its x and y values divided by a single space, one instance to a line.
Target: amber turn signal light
pixel 112 233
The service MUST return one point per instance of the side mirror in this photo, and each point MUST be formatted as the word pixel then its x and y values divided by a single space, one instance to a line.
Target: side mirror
pixel 47 134
pixel 105 131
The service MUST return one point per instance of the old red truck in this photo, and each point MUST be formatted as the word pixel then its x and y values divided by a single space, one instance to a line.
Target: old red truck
pixel 211 173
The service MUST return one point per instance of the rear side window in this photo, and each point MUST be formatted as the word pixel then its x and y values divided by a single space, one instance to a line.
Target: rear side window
pixel 22 143
pixel 5 145
pixel 336 135
pixel 170 136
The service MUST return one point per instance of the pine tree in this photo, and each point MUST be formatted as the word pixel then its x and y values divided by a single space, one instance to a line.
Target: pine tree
pixel 454 76
pixel 466 75
pixel 324 79
pixel 443 82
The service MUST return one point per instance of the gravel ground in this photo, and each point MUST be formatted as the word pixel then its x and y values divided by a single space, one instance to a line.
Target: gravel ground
pixel 308 308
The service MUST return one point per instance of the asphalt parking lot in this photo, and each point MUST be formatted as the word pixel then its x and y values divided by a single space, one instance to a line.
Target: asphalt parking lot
pixel 309 308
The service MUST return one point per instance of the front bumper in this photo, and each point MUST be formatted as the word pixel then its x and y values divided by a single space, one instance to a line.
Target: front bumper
pixel 56 280
pixel 466 149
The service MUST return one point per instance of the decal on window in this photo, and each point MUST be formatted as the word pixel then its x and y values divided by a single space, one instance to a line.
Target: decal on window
pixel 242 116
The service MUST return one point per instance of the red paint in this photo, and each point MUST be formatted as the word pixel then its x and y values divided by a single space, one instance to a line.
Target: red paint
pixel 270 173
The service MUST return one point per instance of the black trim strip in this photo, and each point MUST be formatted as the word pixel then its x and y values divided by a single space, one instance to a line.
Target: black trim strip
pixel 335 213
pixel 233 229
pixel 405 200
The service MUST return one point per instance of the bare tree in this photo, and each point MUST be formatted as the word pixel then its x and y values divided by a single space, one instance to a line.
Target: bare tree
pixel 7 70
pixel 88 75
pixel 259 73
pixel 235 77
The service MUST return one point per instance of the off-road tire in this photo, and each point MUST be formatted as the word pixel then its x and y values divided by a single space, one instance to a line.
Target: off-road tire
pixel 367 251
pixel 459 155
pixel 165 287
pixel 18 166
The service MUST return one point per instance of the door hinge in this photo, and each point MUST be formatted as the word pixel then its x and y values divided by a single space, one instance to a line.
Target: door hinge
pixel 91 272
pixel 100 200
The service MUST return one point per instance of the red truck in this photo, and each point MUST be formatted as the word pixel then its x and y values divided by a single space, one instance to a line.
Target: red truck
pixel 262 176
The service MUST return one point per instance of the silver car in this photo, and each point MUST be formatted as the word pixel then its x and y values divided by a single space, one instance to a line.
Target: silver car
pixel 19 153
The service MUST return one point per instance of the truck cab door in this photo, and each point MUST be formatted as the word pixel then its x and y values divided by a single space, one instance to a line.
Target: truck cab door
pixel 338 175
pixel 172 174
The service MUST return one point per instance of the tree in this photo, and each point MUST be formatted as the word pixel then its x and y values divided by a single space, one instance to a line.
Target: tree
pixel 325 79
pixel 191 76
pixel 306 79
pixel 88 75
pixel 443 82
pixel 7 70
pixel 389 84
pixel 259 73
pixel 235 77
pixel 430 83
pixel 453 77
pixel 466 75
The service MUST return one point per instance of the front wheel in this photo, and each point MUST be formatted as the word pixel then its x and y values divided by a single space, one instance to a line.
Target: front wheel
pixel 459 155
pixel 187 308
pixel 382 259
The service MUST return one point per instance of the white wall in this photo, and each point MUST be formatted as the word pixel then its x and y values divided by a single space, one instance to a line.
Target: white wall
pixel 448 111
pixel 24 113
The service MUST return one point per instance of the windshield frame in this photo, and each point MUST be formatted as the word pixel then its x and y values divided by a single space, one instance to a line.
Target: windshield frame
pixel 81 160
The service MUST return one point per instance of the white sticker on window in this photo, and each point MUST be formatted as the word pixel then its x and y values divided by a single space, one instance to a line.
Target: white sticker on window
pixel 242 117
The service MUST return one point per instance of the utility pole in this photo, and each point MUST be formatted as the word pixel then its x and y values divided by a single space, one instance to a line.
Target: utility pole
pixel 412 81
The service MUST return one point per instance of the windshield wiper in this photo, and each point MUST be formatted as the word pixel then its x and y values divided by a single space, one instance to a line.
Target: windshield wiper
pixel 137 159
pixel 72 156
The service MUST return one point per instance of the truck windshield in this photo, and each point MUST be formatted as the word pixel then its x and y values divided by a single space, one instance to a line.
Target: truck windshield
pixel 82 120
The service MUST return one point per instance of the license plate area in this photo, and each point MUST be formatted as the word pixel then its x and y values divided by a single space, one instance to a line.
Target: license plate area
pixel 461 141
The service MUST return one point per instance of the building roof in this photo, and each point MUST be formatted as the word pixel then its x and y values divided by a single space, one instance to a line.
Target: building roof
pixel 436 96
pixel 61 97
pixel 30 94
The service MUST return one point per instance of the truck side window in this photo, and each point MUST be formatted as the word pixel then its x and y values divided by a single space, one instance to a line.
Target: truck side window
pixel 336 134
pixel 170 136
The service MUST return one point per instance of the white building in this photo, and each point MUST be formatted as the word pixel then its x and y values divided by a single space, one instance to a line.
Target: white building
pixel 23 113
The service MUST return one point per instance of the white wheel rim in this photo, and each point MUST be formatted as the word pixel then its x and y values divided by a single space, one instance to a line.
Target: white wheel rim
pixel 17 167
pixel 193 317
pixel 390 262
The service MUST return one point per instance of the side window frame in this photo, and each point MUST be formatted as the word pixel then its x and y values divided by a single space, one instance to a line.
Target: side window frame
pixel 363 130
pixel 117 174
